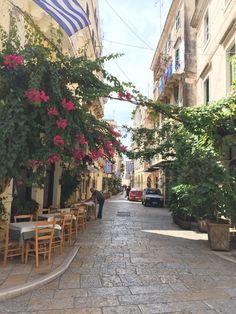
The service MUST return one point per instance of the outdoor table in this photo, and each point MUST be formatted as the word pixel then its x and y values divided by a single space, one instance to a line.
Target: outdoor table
pixel 54 216
pixel 26 230
pixel 91 209
pixel 50 217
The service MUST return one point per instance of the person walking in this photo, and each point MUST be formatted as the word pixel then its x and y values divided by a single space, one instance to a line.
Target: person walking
pixel 98 197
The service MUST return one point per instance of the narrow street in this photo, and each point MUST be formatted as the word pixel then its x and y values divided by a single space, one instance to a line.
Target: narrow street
pixel 135 260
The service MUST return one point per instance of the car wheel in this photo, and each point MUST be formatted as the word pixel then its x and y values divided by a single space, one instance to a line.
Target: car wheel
pixel 145 203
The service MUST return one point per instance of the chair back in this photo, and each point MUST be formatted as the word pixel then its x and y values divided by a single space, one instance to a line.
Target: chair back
pixel 44 230
pixel 42 211
pixel 66 219
pixel 66 226
pixel 7 247
pixel 4 234
pixel 27 217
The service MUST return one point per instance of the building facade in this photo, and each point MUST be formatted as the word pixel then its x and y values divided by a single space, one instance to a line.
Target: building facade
pixel 215 44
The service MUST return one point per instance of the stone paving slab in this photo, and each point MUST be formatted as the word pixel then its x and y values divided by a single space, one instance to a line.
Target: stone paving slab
pixel 138 264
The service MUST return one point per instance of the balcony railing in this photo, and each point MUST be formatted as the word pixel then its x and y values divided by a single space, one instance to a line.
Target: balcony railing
pixel 164 78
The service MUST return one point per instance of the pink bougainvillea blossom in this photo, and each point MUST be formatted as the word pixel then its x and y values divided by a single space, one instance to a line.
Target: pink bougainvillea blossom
pixel 123 148
pixel 12 61
pixel 121 94
pixel 96 154
pixel 53 158
pixel 62 123
pixel 32 164
pixel 58 140
pixel 78 154
pixel 128 96
pixel 69 105
pixel 115 133
pixel 52 111
pixel 36 96
pixel 81 139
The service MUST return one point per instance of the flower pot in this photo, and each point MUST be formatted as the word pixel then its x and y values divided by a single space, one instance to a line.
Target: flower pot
pixel 218 236
pixel 202 225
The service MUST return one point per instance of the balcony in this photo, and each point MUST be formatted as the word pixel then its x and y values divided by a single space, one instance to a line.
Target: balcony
pixel 171 74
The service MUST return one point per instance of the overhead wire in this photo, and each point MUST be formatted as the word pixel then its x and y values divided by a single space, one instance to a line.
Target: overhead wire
pixel 128 26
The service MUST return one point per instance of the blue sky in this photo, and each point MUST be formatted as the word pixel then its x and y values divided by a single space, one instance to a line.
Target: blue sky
pixel 140 28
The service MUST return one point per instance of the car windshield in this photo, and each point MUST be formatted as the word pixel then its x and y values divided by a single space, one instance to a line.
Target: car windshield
pixel 153 191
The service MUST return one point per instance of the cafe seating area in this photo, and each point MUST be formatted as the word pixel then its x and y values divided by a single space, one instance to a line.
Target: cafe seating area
pixel 37 239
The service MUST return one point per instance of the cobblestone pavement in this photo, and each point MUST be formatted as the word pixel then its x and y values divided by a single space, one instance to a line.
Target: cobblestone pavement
pixel 141 263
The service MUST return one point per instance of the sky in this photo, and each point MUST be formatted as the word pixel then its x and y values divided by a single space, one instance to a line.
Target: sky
pixel 133 28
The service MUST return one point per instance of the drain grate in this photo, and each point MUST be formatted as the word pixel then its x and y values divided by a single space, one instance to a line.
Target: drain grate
pixel 123 214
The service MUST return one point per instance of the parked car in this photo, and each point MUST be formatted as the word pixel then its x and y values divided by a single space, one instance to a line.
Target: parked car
pixel 152 197
pixel 135 195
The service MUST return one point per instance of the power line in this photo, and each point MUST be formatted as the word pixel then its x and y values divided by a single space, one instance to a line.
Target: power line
pixel 119 67
pixel 129 27
pixel 129 45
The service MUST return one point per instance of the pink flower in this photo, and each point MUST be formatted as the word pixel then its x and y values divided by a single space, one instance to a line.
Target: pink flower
pixel 115 133
pixel 95 154
pixel 128 96
pixel 32 164
pixel 53 158
pixel 81 139
pixel 52 111
pixel 44 97
pixel 68 105
pixel 78 154
pixel 36 96
pixel 62 123
pixel 58 140
pixel 121 94
pixel 12 61
pixel 123 148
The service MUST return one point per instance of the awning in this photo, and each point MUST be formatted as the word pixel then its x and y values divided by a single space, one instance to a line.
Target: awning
pixel 158 165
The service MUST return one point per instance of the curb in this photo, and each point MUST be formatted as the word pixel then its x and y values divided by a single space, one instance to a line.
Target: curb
pixel 29 286
pixel 229 259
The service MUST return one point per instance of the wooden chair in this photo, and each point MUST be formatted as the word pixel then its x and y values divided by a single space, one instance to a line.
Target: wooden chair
pixel 27 217
pixel 66 225
pixel 42 211
pixel 81 211
pixel 42 244
pixel 9 248
pixel 58 240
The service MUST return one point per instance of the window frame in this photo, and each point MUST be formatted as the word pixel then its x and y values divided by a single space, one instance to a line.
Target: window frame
pixel 206 90
pixel 177 20
pixel 230 75
pixel 206 28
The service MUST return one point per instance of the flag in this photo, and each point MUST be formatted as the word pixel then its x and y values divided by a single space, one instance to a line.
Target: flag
pixel 68 14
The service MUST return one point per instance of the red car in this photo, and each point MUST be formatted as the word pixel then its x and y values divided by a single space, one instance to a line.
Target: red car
pixel 135 195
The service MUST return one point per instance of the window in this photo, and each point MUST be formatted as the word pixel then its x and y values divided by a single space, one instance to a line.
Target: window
pixel 206 90
pixel 176 94
pixel 206 28
pixel 177 20
pixel 169 42
pixel 230 74
pixel 177 62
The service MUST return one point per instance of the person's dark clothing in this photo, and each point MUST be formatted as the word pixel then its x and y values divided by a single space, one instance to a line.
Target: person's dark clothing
pixel 127 191
pixel 100 199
